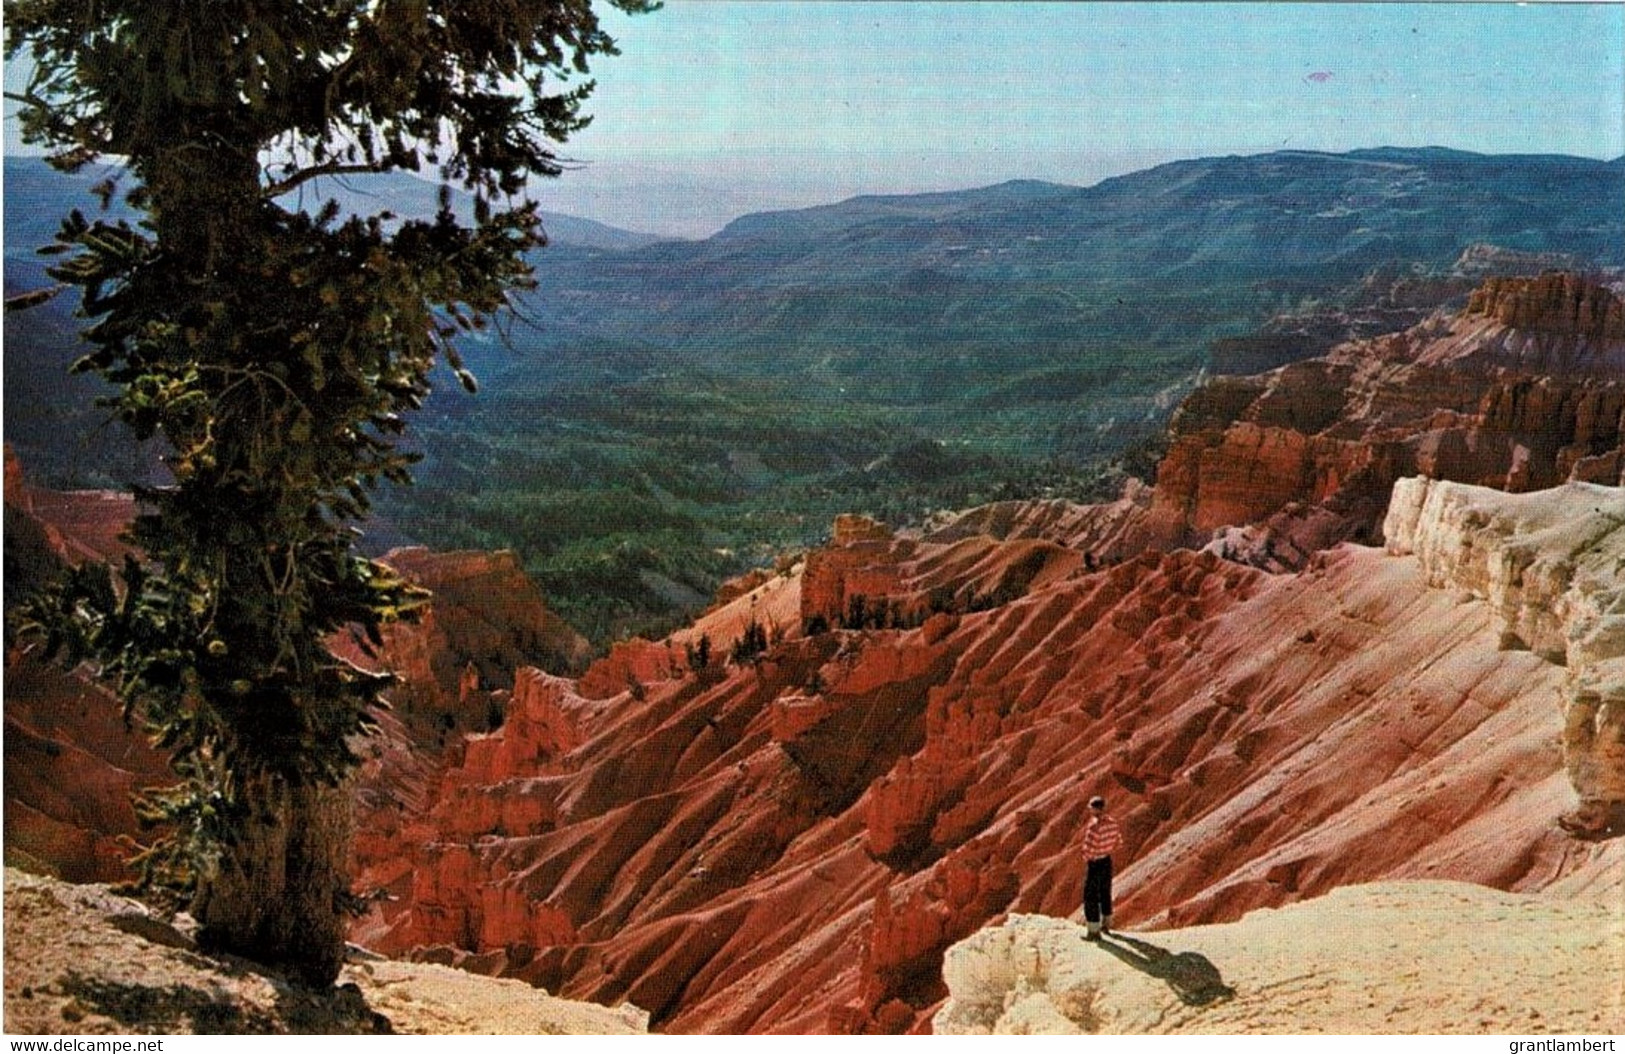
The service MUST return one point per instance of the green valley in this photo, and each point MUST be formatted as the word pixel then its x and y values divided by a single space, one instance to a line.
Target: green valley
pixel 663 414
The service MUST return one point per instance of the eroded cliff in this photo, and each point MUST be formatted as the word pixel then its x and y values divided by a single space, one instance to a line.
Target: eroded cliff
pixel 1549 565
pixel 72 761
pixel 1523 390
pixel 790 844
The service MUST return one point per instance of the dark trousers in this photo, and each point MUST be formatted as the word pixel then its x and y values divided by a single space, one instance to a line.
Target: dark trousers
pixel 1097 889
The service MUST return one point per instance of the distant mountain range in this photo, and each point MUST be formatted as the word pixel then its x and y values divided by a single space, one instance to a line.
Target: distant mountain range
pixel 1038 316
pixel 887 354
pixel 1317 218
pixel 49 416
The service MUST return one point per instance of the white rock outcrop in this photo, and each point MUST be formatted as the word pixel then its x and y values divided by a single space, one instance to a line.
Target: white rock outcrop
pixel 1390 957
pixel 1552 565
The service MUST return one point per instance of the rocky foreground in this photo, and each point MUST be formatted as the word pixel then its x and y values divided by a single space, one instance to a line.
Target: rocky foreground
pixel 80 959
pixel 1394 957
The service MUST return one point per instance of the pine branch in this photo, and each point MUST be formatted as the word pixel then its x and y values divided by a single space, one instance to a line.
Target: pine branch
pixel 333 168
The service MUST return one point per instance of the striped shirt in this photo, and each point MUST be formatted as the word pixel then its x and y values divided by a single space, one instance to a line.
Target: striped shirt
pixel 1101 837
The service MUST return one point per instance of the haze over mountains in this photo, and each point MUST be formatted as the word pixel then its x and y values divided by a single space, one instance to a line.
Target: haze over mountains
pixel 672 411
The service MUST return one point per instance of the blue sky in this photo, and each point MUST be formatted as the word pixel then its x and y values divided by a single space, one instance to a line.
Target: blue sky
pixel 717 107
pixel 940 92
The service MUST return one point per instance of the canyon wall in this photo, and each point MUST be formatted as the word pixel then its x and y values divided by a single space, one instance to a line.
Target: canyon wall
pixel 1523 390
pixel 791 843
pixel 486 621
pixel 1550 567
pixel 71 762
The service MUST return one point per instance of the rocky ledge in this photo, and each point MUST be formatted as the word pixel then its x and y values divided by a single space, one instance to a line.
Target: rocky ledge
pixel 1491 962
pixel 79 959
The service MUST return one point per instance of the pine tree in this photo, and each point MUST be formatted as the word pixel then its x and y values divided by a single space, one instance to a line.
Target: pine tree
pixel 275 351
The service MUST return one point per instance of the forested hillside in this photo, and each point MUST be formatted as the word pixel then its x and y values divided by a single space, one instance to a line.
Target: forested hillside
pixel 665 413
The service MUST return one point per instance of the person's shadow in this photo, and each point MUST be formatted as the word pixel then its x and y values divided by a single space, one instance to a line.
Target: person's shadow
pixel 1192 976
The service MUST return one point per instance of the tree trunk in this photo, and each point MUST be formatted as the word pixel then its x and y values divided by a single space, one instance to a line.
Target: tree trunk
pixel 276 893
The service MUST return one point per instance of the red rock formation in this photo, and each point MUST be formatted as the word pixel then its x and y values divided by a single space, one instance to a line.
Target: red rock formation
pixel 543 722
pixel 1105 533
pixel 789 845
pixel 861 562
pixel 629 665
pixel 1553 303
pixel 486 621
pixel 1522 391
pixel 869 578
pixel 491 612
pixel 71 762
pixel 1387 300
pixel 71 765
pixel 76 525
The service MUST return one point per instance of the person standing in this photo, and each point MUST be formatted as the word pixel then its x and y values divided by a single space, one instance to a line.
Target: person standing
pixel 1101 838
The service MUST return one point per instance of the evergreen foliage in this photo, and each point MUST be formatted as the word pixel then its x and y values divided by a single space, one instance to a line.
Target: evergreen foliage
pixel 698 654
pixel 274 350
pixel 752 643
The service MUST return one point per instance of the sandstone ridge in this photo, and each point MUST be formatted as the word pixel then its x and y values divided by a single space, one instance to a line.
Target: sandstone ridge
pixel 1549 565
pixel 1523 390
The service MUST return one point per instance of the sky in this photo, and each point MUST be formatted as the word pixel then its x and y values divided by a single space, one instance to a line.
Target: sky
pixel 839 98
pixel 1015 87
pixel 749 104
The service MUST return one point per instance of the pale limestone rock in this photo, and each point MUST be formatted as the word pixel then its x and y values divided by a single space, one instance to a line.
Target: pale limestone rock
pixel 1343 963
pixel 1552 565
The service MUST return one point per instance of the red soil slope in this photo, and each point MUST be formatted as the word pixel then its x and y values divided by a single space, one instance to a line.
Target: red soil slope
pixel 70 762
pixel 790 845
